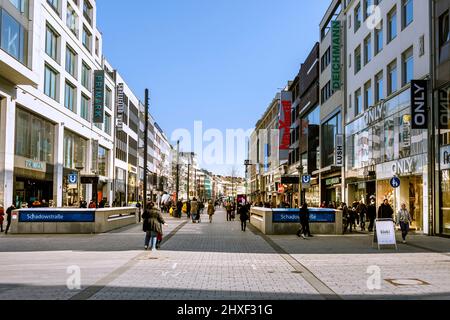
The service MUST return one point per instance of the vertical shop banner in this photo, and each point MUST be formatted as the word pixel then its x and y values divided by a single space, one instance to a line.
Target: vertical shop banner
pixel 120 107
pixel 339 154
pixel 95 156
pixel 99 96
pixel 419 104
pixel 285 125
pixel 336 55
pixel 444 104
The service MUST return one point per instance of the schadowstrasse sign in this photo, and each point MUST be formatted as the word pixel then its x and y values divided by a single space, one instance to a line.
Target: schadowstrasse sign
pixel 419 104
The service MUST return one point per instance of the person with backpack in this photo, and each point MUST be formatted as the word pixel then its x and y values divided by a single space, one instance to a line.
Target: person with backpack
pixel 152 226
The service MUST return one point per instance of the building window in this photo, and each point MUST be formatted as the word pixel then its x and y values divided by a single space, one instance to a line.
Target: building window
pixel 103 161
pixel 368 101
pixel 392 24
pixel 50 82
pixel 367 6
pixel 357 59
pixel 86 76
pixel 408 66
pixel 108 98
pixel 85 108
pixel 21 5
pixel 367 49
pixel 326 92
pixel 379 38
pixel 330 130
pixel 107 126
pixel 87 39
pixel 69 97
pixel 87 11
pixel 326 59
pixel 444 29
pixel 74 151
pixel 72 20
pixel 13 37
pixel 54 4
pixel 71 61
pixel 358 17
pixel 392 78
pixel 51 43
pixel 407 12
pixel 34 137
pixel 379 87
pixel 358 102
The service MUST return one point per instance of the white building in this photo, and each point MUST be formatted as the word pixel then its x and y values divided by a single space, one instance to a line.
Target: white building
pixel 382 59
pixel 49 52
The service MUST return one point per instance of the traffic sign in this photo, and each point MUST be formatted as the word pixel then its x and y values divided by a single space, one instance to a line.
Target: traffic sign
pixel 73 178
pixel 395 182
pixel 306 181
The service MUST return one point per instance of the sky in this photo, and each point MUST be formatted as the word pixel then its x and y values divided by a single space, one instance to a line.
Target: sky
pixel 216 61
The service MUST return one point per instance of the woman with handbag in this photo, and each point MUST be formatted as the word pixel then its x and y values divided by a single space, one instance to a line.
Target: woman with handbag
pixel 153 221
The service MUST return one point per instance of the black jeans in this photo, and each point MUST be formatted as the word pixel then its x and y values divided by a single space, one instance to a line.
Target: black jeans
pixel 7 226
pixel 304 229
pixel 371 225
pixel 244 225
pixel 228 215
pixel 405 230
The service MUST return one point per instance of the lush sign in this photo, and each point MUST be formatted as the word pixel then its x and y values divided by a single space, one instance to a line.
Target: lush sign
pixel 336 55
pixel 99 96
pixel 339 154
pixel 419 104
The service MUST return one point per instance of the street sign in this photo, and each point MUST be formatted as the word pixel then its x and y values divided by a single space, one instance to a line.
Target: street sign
pixel 395 182
pixel 72 178
pixel 306 181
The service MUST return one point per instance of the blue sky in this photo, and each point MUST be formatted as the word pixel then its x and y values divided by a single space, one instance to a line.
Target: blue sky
pixel 219 61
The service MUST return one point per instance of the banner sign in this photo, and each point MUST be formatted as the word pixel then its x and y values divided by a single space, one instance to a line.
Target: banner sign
pixel 95 147
pixel 385 235
pixel 336 55
pixel 339 154
pixel 99 96
pixel 285 125
pixel 120 107
pixel 293 215
pixel 56 216
pixel 444 105
pixel 419 104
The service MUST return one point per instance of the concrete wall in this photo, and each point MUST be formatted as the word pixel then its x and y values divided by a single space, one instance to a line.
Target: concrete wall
pixel 262 219
pixel 105 220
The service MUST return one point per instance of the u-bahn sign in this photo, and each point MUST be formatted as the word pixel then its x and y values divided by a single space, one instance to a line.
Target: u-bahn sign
pixel 419 104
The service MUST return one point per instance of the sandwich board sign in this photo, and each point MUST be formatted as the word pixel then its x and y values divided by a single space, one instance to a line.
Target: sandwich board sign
pixel 385 233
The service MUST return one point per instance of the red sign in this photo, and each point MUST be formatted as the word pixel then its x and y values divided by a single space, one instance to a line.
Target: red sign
pixel 281 188
pixel 285 125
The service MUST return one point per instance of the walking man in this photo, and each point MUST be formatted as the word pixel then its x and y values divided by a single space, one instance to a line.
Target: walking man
pixel 371 214
pixel 211 211
pixel 243 215
pixel 404 220
pixel 304 221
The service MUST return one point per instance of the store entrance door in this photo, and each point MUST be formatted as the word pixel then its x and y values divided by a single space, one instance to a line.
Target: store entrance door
pixel 415 192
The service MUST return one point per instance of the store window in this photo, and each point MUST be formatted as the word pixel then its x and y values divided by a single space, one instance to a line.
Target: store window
pixel 74 151
pixel 34 137
pixel 103 156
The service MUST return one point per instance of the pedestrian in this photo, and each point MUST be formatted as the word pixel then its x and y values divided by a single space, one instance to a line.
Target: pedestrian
pixel 304 221
pixel 195 211
pixel 9 217
pixel 355 208
pixel 211 211
pixel 385 211
pixel 152 226
pixel 372 214
pixel 228 208
pixel 83 204
pixel 404 220
pixel 323 205
pixel 351 219
pixel 244 216
pixel 345 217
pixel 362 212
pixel 2 218
pixel 188 208
pixel 92 205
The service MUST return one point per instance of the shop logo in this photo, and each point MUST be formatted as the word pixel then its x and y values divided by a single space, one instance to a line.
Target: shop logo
pixel 339 161
pixel 403 166
pixel 33 165
pixel 374 114
pixel 419 103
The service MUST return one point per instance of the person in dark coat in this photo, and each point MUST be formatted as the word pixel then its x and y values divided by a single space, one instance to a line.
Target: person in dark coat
pixel 385 211
pixel 362 212
pixel 153 221
pixel 244 216
pixel 371 214
pixel 179 208
pixel 304 221
pixel 9 217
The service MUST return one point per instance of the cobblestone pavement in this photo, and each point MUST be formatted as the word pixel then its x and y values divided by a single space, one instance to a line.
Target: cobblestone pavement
pixel 218 261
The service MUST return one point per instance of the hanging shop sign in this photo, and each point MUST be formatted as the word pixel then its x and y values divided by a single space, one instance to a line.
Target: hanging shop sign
pixel 99 96
pixel 339 154
pixel 444 104
pixel 120 107
pixel 445 158
pixel 285 124
pixel 333 181
pixel 419 104
pixel 336 55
